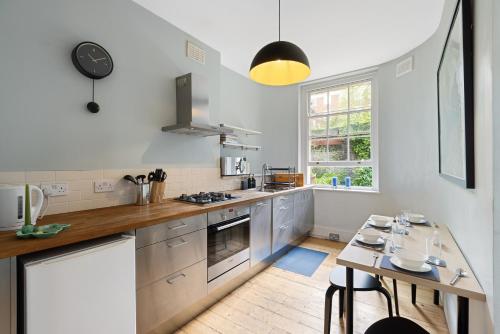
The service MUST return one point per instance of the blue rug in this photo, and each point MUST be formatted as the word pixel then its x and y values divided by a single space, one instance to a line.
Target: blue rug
pixel 301 261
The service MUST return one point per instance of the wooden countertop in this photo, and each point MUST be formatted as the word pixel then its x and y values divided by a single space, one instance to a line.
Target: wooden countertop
pixel 91 224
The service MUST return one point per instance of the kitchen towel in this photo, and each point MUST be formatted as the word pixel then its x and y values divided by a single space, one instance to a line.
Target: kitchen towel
pixel 433 275
pixel 301 261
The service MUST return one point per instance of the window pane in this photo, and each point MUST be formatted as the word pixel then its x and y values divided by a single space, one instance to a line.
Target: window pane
pixel 360 122
pixel 318 104
pixel 360 95
pixel 337 125
pixel 317 126
pixel 338 99
pixel 337 149
pixel 360 148
pixel 360 176
pixel 318 149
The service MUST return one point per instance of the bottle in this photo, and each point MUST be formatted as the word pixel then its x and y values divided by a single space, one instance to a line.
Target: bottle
pixel 252 183
pixel 334 182
pixel 348 182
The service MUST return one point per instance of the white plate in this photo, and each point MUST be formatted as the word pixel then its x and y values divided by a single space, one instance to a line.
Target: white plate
pixel 372 223
pixel 416 218
pixel 360 238
pixel 423 269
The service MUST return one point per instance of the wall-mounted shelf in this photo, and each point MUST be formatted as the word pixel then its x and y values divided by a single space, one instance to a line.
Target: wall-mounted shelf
pixel 242 146
pixel 230 129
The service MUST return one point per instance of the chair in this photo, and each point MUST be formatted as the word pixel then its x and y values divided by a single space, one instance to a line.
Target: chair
pixel 396 325
pixel 362 282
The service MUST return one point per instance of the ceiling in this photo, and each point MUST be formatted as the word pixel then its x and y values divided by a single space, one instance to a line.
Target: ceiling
pixel 337 35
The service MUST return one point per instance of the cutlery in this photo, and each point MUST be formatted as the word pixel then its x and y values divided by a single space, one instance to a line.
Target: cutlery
pixel 458 273
pixel 140 179
pixel 130 178
pixel 375 258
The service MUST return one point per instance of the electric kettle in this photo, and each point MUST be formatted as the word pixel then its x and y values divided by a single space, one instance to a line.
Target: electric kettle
pixel 12 201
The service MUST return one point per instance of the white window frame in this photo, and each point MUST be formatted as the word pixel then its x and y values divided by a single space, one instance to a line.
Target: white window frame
pixel 340 80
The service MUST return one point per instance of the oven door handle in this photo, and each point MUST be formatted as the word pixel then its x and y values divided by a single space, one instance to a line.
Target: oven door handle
pixel 223 227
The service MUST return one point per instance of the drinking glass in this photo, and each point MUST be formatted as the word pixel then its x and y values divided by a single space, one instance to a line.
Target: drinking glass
pixel 433 245
pixel 397 237
pixel 404 218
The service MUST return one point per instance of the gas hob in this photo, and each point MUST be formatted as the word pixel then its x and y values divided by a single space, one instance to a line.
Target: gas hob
pixel 206 198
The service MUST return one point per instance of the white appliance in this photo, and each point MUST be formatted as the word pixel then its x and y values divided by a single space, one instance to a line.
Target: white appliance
pixel 80 289
pixel 12 206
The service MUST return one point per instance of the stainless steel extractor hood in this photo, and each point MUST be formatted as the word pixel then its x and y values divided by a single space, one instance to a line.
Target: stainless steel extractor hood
pixel 192 108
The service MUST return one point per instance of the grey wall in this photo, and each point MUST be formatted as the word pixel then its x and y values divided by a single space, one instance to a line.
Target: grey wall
pixel 43 121
pixel 496 154
pixel 271 110
pixel 409 160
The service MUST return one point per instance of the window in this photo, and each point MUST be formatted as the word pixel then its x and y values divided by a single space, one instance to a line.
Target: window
pixel 339 132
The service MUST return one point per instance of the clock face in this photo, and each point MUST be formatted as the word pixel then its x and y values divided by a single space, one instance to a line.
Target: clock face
pixel 92 60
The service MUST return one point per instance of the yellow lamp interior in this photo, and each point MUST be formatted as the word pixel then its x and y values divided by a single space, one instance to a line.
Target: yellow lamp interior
pixel 280 72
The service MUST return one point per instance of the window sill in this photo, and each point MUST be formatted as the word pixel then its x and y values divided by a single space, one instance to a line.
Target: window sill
pixel 342 190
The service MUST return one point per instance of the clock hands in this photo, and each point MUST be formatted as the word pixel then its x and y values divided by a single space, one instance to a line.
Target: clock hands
pixel 93 59
pixel 99 59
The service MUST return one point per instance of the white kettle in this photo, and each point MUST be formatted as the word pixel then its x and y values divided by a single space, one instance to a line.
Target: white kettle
pixel 12 201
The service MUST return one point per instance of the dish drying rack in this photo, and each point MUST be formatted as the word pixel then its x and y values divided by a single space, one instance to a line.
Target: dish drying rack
pixel 269 182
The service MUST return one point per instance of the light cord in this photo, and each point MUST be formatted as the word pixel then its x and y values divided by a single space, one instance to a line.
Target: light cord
pixel 279 20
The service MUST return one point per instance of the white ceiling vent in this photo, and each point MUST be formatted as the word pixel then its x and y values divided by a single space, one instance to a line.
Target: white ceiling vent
pixel 404 67
pixel 195 53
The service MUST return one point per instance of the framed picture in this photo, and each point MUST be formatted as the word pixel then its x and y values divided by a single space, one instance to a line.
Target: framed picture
pixel 456 100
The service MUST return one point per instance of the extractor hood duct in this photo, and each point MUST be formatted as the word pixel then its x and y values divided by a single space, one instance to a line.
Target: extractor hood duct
pixel 192 108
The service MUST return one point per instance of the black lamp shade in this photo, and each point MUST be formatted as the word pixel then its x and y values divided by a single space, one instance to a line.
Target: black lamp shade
pixel 280 63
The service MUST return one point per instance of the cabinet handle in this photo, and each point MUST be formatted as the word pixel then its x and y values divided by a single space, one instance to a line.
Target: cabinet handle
pixel 181 225
pixel 283 208
pixel 283 227
pixel 261 204
pixel 175 278
pixel 283 198
pixel 183 242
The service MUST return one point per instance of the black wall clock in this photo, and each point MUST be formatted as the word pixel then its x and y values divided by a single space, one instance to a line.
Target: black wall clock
pixel 93 61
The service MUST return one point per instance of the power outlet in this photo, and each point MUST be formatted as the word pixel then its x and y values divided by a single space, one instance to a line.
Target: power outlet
pixel 54 189
pixel 334 236
pixel 104 186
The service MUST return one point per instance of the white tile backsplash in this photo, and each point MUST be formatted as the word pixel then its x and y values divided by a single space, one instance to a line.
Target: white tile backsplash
pixel 81 194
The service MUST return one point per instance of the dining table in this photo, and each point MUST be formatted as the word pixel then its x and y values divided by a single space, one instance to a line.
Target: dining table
pixel 356 256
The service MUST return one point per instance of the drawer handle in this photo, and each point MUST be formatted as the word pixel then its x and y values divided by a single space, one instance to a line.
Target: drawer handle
pixel 283 227
pixel 283 208
pixel 182 242
pixel 177 226
pixel 283 198
pixel 175 278
pixel 261 204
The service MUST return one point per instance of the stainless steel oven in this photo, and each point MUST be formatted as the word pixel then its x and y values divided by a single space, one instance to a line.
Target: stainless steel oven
pixel 228 240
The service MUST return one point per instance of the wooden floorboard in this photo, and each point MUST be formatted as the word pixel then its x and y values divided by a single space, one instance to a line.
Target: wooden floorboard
pixel 277 301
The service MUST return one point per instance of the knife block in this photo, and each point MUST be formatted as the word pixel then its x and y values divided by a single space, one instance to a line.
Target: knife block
pixel 157 192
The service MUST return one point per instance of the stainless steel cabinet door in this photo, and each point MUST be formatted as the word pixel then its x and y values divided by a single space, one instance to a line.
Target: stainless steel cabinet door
pixel 171 229
pixel 5 295
pixel 160 301
pixel 260 231
pixel 164 258
pixel 283 221
pixel 309 211
pixel 304 213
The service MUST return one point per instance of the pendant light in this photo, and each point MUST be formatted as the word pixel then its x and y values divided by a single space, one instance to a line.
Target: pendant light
pixel 280 63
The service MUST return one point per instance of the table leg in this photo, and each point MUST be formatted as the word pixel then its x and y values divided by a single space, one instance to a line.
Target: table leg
pixel 463 315
pixel 349 287
pixel 436 297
